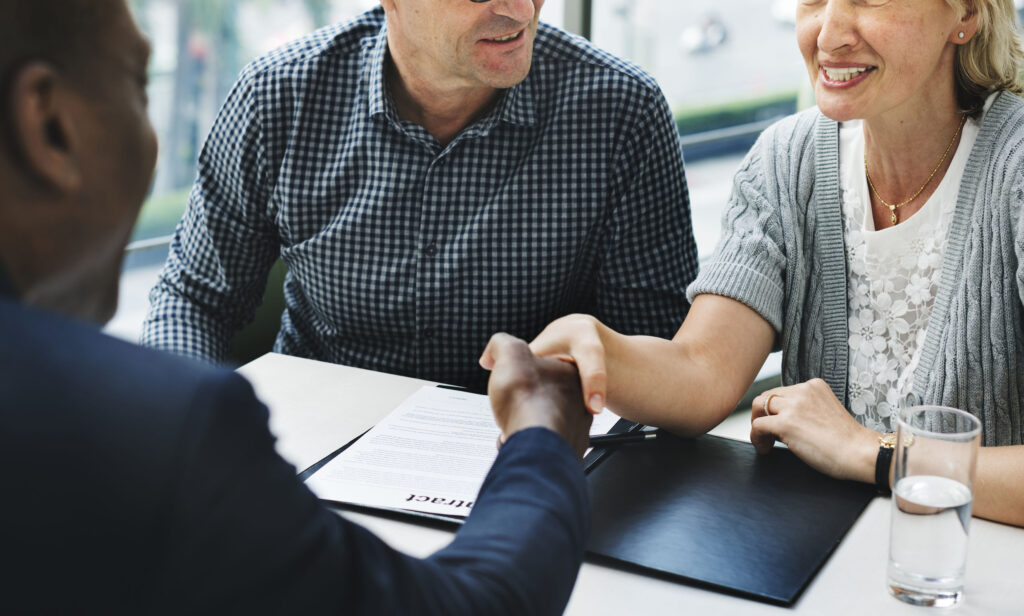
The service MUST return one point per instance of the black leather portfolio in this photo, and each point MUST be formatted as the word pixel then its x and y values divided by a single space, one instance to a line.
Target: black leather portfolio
pixel 711 511
pixel 707 511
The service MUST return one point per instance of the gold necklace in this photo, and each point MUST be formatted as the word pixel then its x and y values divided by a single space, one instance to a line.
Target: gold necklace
pixel 893 206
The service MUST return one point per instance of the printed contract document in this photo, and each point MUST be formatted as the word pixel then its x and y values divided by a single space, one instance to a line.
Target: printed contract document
pixel 430 454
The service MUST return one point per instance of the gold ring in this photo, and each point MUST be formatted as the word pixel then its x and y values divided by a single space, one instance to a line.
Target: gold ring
pixel 767 405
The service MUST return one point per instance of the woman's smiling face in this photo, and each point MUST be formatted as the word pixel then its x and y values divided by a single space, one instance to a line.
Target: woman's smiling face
pixel 869 57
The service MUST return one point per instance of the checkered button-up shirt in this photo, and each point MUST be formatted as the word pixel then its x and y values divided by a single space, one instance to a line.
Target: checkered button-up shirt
pixel 405 255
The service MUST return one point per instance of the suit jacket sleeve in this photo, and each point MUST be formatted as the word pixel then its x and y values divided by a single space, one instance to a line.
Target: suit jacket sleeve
pixel 247 536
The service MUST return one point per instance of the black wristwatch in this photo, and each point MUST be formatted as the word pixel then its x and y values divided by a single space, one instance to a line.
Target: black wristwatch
pixel 886 447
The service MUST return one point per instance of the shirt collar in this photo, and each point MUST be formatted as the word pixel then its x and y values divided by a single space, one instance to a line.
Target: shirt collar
pixel 517 104
pixel 374 56
pixel 520 108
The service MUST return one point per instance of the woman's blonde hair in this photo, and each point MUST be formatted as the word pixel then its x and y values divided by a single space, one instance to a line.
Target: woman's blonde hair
pixel 994 58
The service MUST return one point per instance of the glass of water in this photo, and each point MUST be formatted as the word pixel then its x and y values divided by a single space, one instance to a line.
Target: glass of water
pixel 933 482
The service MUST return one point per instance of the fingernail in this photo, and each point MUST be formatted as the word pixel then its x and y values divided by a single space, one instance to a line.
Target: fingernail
pixel 596 404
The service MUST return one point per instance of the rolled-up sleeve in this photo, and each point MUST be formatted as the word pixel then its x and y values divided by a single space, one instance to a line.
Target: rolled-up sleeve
pixel 651 255
pixel 749 262
pixel 226 242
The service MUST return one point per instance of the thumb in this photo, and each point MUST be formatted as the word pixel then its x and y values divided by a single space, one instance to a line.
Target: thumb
pixel 593 379
pixel 499 345
pixel 486 360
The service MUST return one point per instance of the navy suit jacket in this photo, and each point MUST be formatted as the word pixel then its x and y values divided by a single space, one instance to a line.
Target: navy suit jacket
pixel 137 482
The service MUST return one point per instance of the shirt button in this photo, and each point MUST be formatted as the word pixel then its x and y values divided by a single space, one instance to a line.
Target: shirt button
pixel 431 249
pixel 427 333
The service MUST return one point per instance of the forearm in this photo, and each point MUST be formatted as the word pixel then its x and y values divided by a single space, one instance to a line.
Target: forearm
pixel 208 289
pixel 176 324
pixel 690 384
pixel 520 550
pixel 998 481
pixel 999 484
pixel 245 536
pixel 667 383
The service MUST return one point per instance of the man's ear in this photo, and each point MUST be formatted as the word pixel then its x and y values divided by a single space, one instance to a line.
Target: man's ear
pixel 43 127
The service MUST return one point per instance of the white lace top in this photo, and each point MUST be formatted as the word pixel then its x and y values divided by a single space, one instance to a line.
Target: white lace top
pixel 893 278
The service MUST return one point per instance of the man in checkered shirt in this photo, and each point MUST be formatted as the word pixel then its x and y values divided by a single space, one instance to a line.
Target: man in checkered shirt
pixel 431 172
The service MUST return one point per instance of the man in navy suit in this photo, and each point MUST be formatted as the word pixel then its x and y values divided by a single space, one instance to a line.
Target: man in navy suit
pixel 136 482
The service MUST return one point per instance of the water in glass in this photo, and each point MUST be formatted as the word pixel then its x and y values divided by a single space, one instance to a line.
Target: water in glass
pixel 928 549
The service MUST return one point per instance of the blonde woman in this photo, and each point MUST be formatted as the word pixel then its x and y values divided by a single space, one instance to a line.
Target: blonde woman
pixel 878 241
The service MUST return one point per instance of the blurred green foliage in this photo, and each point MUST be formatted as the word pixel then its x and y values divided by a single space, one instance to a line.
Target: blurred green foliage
pixel 160 214
pixel 691 120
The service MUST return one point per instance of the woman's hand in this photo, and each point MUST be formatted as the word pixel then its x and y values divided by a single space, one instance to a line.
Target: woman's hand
pixel 576 338
pixel 815 426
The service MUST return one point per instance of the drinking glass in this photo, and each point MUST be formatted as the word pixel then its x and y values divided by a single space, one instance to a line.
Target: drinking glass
pixel 933 483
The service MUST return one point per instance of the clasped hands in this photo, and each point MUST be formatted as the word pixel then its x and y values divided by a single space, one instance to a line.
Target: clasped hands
pixel 527 391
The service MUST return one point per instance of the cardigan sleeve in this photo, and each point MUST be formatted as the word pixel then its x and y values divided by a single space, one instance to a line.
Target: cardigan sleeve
pixel 749 262
pixel 1017 205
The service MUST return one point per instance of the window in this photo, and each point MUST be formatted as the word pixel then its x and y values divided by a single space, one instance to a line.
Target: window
pixel 728 69
pixel 710 56
pixel 199 48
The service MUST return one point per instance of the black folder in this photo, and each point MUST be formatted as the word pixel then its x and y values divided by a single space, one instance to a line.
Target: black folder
pixel 707 511
pixel 713 512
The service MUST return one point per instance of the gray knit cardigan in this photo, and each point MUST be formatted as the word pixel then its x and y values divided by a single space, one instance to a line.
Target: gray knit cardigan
pixel 782 253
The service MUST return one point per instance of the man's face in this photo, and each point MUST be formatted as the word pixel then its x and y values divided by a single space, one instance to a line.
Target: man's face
pixel 119 155
pixel 459 43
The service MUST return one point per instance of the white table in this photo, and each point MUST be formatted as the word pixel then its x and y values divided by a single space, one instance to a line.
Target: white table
pixel 317 407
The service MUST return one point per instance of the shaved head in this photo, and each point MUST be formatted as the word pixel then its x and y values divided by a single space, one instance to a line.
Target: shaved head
pixel 63 33
pixel 77 150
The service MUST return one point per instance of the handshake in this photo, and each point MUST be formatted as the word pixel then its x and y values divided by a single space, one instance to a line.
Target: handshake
pixel 528 391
